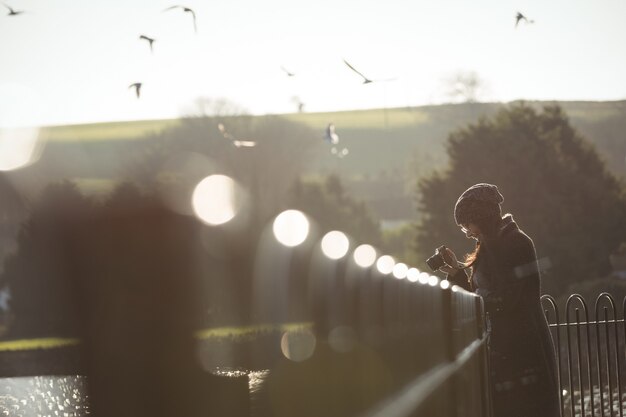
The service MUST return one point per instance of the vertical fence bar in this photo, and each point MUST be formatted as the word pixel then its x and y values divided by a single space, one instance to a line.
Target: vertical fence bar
pixel 557 325
pixel 611 302
pixel 583 304
pixel 580 366
pixel 608 359
pixel 617 361
pixel 569 359
pixel 624 334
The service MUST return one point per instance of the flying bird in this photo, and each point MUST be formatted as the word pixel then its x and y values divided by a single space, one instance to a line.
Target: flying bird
pixel 187 10
pixel 331 136
pixel 12 11
pixel 519 17
pixel 137 87
pixel 148 39
pixel 289 74
pixel 365 79
pixel 238 143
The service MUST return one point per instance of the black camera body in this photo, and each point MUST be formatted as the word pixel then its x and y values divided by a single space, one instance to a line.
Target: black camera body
pixel 435 262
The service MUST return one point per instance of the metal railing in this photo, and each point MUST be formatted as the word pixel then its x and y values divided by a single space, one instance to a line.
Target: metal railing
pixel 389 344
pixel 590 352
pixel 331 336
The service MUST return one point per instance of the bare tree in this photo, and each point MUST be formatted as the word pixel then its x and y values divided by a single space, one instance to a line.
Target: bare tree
pixel 464 86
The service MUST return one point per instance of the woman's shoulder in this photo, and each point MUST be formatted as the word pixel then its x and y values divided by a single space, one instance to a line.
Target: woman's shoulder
pixel 512 237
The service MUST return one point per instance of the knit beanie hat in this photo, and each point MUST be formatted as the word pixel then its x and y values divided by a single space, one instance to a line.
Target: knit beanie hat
pixel 478 202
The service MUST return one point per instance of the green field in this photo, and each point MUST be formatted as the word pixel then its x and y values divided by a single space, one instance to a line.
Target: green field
pixel 106 131
pixel 389 148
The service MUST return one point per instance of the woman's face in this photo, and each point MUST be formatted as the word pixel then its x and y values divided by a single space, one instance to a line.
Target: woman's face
pixel 472 231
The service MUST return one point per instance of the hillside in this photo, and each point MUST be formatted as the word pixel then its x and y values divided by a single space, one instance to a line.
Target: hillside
pixel 388 148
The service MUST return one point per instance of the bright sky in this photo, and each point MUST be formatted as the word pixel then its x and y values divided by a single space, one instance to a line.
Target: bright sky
pixel 68 61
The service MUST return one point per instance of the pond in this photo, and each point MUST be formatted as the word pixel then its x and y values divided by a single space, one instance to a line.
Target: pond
pixel 63 396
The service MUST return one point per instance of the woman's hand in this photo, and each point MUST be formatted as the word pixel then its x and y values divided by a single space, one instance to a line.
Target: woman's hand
pixel 452 264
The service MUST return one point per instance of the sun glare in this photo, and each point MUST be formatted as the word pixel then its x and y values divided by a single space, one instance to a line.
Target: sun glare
pixel 400 270
pixel 18 147
pixel 335 244
pixel 365 256
pixel 413 274
pixel 213 199
pixel 385 264
pixel 291 227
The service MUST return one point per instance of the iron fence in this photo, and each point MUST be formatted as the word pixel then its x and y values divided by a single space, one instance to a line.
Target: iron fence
pixel 590 351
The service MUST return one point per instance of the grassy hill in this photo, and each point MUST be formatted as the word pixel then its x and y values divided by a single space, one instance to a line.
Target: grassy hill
pixel 389 149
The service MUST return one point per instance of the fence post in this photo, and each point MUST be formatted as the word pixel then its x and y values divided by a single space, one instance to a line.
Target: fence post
pixel 485 375
pixel 447 314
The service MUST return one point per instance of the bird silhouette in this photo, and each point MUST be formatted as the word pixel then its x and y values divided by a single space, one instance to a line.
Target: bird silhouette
pixel 519 17
pixel 12 11
pixel 137 87
pixel 331 136
pixel 148 39
pixel 238 143
pixel 289 74
pixel 365 79
pixel 187 10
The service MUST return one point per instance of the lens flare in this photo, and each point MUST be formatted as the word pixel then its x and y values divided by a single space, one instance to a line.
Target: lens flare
pixel 423 278
pixel 291 227
pixel 213 199
pixel 433 281
pixel 21 111
pixel 365 256
pixel 335 244
pixel 413 274
pixel 385 264
pixel 298 346
pixel 342 339
pixel 18 147
pixel 400 270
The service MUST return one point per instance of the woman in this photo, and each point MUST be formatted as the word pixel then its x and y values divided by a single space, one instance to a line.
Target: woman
pixel 503 270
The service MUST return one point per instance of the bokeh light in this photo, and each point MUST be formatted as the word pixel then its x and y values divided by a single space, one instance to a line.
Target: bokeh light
pixel 444 284
pixel 433 281
pixel 385 264
pixel 335 244
pixel 365 256
pixel 291 227
pixel 400 270
pixel 342 339
pixel 298 345
pixel 413 274
pixel 213 199
pixel 423 278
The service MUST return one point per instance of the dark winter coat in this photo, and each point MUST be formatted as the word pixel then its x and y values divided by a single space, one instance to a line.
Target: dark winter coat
pixel 522 357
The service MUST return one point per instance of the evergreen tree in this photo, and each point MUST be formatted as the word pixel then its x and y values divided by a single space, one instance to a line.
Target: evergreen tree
pixel 553 181
pixel 37 275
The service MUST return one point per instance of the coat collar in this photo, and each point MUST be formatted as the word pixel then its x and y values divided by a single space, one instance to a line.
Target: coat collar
pixel 507 225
